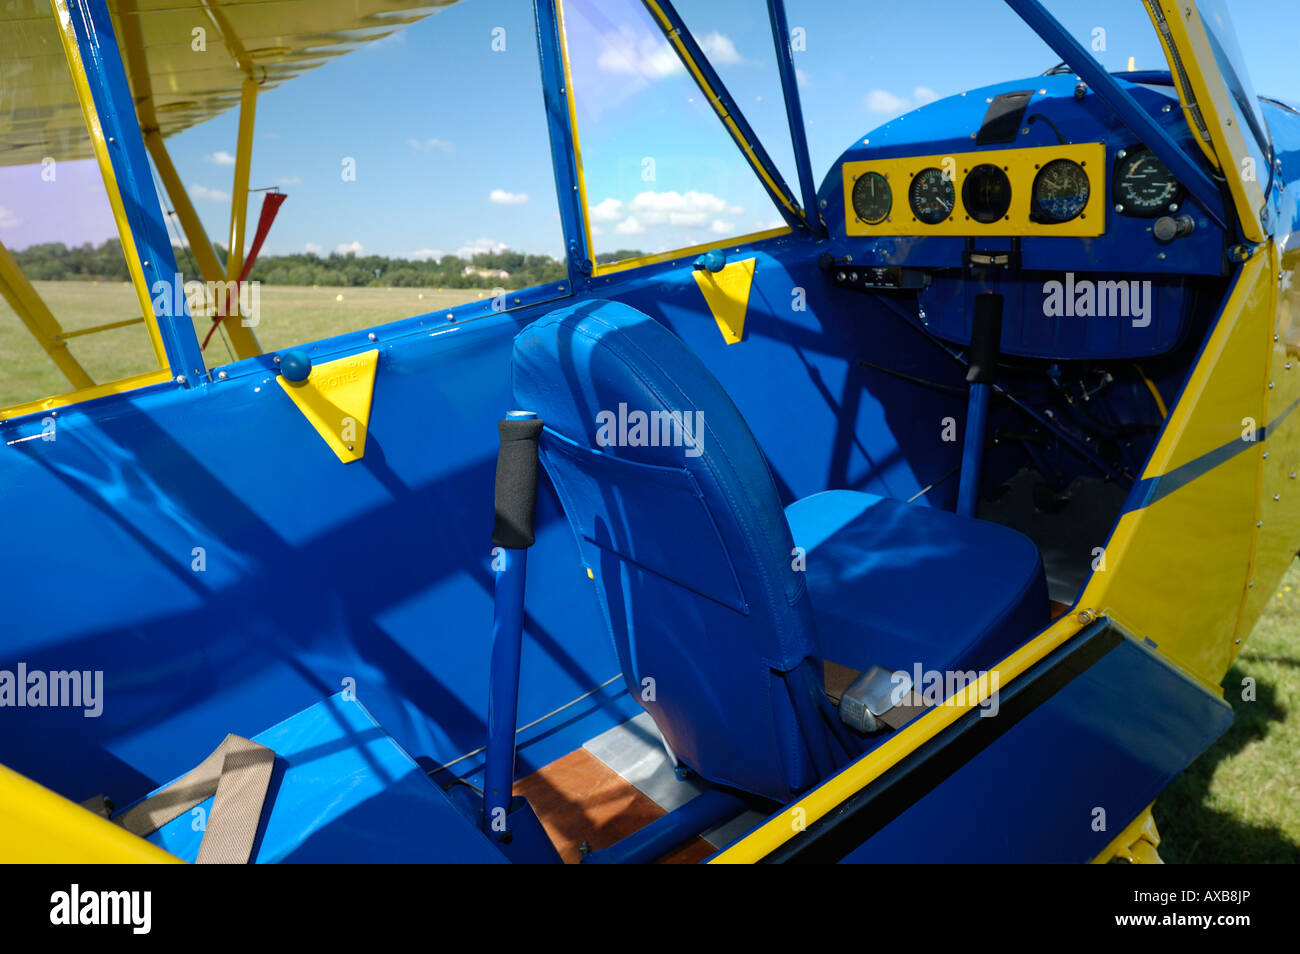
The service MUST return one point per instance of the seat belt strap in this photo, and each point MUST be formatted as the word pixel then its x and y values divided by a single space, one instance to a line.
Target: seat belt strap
pixel 236 775
pixel 838 680
pixel 908 708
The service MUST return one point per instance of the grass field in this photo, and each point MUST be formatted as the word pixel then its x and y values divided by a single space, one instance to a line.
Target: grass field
pixel 289 316
pixel 1239 802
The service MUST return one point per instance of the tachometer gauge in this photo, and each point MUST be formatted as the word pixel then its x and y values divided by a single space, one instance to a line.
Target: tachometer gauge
pixel 1144 186
pixel 872 198
pixel 986 193
pixel 931 196
pixel 1060 191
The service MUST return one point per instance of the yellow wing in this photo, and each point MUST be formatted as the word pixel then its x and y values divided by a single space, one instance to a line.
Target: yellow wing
pixel 186 60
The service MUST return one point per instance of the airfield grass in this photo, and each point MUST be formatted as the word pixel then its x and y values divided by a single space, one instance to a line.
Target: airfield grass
pixel 289 316
pixel 1240 802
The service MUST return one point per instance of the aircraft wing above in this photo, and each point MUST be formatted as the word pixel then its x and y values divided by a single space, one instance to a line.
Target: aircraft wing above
pixel 185 85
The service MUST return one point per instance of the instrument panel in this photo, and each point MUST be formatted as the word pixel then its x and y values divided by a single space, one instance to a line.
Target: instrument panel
pixel 1040 190
pixel 1144 186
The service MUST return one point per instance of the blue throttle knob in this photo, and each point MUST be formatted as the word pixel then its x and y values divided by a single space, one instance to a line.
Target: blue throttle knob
pixel 714 260
pixel 295 366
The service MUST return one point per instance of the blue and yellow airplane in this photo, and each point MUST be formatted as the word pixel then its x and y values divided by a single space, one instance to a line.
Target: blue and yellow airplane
pixel 650 563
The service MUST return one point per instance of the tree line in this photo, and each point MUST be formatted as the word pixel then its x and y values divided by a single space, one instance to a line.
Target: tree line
pixel 54 261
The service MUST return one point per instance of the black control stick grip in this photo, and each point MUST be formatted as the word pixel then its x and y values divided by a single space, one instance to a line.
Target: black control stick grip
pixel 985 339
pixel 516 486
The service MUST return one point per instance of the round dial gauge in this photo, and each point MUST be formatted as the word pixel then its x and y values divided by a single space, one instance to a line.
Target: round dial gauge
pixel 872 198
pixel 1060 191
pixel 986 193
pixel 931 196
pixel 1144 186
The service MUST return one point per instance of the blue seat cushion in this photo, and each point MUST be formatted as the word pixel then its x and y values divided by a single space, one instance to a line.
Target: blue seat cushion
pixel 896 584
pixel 343 790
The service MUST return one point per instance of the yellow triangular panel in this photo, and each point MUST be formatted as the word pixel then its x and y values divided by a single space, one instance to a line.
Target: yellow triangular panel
pixel 335 399
pixel 727 295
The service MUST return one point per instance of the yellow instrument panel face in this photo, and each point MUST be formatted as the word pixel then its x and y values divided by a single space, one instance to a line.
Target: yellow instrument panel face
pixel 980 193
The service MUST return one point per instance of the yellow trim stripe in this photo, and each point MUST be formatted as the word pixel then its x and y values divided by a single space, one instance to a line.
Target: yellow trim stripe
pixel 120 386
pixel 38 826
pixel 100 147
pixel 573 130
pixel 676 253
pixel 746 147
pixel 630 263
pixel 1185 98
pixel 1210 92
pixel 819 802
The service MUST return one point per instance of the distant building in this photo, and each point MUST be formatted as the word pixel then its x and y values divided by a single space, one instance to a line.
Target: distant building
pixel 485 272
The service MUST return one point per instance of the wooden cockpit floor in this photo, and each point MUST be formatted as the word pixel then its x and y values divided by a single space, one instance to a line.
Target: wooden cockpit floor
pixel 581 799
pixel 616 784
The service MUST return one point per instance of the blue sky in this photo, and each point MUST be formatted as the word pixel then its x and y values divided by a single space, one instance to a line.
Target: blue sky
pixel 449 139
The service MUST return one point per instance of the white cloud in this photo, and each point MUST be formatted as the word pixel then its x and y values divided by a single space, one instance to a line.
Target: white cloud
pixel 892 104
pixel 288 181
pixel 9 219
pixel 220 158
pixel 883 101
pixel 313 248
pixel 638 52
pixel 204 194
pixel 502 197
pixel 430 145
pixel 607 210
pixel 720 50
pixel 679 208
pixel 349 247
pixel 681 211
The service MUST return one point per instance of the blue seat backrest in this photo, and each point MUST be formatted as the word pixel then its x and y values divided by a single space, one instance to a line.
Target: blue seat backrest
pixel 679 522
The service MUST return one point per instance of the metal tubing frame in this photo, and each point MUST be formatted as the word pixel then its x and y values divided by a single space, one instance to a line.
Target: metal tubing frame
pixel 243 169
pixel 242 337
pixel 704 811
pixel 972 449
pixel 40 321
pixel 142 85
pixel 1201 186
pixel 503 692
pixel 794 114
pixel 566 153
pixel 680 38
pixel 100 79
